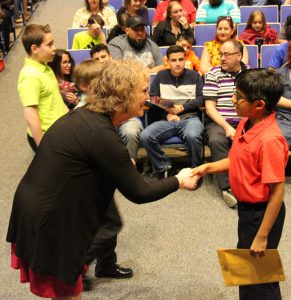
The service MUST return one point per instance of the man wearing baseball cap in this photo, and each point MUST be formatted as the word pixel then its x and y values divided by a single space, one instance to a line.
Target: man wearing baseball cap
pixel 136 45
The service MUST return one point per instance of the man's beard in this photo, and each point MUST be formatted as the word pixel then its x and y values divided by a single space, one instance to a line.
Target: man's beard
pixel 137 45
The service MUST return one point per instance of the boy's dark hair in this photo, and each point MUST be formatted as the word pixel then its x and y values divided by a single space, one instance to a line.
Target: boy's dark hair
pixel 95 19
pixel 98 48
pixel 56 63
pixel 260 84
pixel 175 49
pixel 33 34
pixel 190 39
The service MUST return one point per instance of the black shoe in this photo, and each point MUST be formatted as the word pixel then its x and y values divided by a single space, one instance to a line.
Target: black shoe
pixel 116 271
pixel 87 283
pixel 170 171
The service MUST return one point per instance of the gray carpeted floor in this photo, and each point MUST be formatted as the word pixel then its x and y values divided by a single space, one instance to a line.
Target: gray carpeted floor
pixel 169 244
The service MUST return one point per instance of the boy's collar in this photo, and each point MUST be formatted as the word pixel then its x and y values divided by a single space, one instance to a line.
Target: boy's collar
pixel 30 61
pixel 258 128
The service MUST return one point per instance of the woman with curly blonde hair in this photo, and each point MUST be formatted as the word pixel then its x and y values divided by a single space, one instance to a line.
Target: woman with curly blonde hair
pixel 63 197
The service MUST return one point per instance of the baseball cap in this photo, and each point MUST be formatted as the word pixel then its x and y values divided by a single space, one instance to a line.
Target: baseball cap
pixel 135 21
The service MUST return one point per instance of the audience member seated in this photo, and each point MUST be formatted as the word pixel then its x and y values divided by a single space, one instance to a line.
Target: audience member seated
pixel 189 11
pixel 192 62
pixel 130 130
pixel 92 36
pixel 184 88
pixel 279 57
pixel 94 7
pixel 208 12
pixel 63 66
pixel 168 31
pixel 135 8
pixel 118 29
pixel 100 53
pixel 136 45
pixel 282 37
pixel 5 26
pixel 211 53
pixel 283 110
pixel 257 31
pixel 222 118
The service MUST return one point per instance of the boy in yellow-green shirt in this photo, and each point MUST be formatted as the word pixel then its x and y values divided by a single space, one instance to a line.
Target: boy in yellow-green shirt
pixel 37 85
pixel 92 36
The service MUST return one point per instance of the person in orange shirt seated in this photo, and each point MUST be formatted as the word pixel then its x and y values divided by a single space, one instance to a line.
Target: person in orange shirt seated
pixel 192 61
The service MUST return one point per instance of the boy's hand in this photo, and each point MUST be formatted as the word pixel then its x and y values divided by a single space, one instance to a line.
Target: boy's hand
pixel 96 27
pixel 199 171
pixel 259 246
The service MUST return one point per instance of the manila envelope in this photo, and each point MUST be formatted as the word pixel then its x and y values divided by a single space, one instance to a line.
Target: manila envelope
pixel 239 267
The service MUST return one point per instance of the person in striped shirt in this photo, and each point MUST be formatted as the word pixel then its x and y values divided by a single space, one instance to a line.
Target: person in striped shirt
pixel 222 118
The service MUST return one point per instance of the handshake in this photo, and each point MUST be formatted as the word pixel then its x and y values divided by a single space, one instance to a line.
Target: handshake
pixel 188 178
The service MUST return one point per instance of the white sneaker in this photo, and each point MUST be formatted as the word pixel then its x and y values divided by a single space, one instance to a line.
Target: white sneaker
pixel 229 198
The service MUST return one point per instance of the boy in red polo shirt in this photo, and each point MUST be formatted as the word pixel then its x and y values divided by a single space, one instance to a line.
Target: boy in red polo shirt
pixel 256 165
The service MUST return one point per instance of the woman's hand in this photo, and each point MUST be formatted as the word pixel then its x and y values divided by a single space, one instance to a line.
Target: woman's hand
pixel 186 179
pixel 259 246
pixel 184 23
pixel 72 98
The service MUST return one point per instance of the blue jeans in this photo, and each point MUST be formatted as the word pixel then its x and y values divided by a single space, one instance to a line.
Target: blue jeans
pixel 129 132
pixel 190 130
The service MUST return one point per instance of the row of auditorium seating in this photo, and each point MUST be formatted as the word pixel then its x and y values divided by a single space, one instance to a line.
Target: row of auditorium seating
pixel 271 12
pixel 202 32
pixel 266 53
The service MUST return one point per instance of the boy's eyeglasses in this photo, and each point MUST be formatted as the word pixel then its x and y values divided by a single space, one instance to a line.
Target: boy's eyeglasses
pixel 227 54
pixel 238 98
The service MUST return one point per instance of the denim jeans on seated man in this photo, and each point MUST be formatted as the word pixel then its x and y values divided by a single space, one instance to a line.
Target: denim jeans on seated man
pixel 183 90
pixel 190 130
pixel 129 132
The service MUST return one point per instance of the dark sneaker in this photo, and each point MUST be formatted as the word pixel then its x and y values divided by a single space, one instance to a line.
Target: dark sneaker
pixel 170 171
pixel 229 198
pixel 116 271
